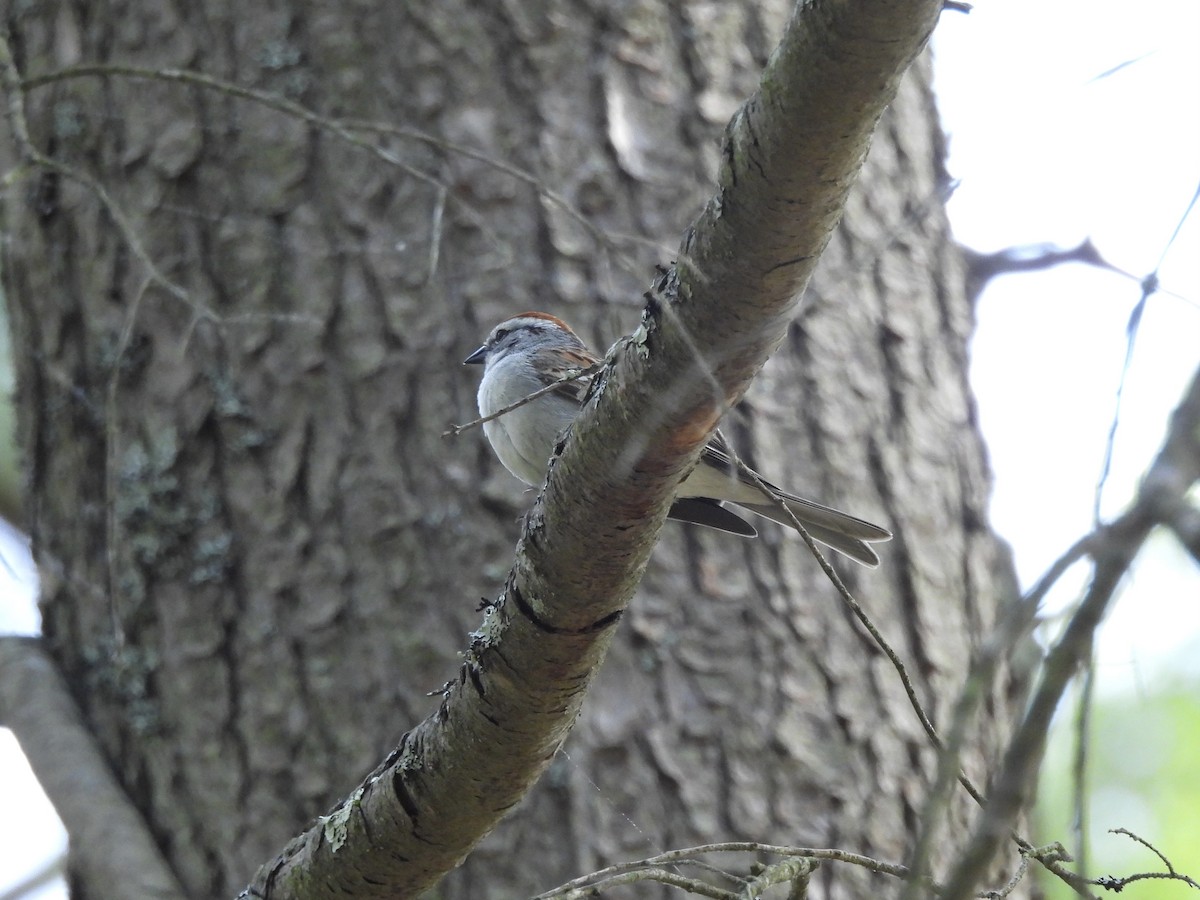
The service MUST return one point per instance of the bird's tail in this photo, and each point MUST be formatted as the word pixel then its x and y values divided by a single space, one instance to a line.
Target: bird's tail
pixel 843 532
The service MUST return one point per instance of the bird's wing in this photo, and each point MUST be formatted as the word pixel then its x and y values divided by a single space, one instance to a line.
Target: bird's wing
pixel 710 513
pixel 559 363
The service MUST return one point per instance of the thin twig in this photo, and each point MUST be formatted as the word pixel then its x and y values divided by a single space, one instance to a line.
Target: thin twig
pixel 689 885
pixel 1116 884
pixel 1025 748
pixel 678 857
pixel 1058 568
pixel 1149 285
pixel 861 615
pixel 792 870
pixel 1011 884
pixel 14 88
pixel 937 799
pixel 572 375
pixel 348 130
pixel 1174 470
pixel 1145 843
pixel 602 238
pixel 265 98
pixel 1080 765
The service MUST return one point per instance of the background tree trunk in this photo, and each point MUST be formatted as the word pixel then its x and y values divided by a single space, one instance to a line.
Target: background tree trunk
pixel 259 554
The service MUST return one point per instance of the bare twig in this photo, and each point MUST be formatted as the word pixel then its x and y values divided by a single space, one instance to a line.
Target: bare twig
pixel 1116 884
pixel 794 870
pixel 1079 767
pixel 14 90
pixel 268 99
pixel 982 267
pixel 602 238
pixel 1012 625
pixel 351 131
pixel 573 375
pixel 859 613
pixel 1145 843
pixel 688 885
pixel 682 856
pixel 1149 285
pixel 1012 883
pixel 1112 548
pixel 1058 568
pixel 1024 752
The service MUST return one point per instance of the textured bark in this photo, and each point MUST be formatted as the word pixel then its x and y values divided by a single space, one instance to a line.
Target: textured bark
pixel 259 553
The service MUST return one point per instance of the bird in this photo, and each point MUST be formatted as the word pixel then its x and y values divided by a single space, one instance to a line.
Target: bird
pixel 531 351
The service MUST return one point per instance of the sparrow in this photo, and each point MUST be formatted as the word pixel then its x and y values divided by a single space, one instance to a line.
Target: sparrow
pixel 533 350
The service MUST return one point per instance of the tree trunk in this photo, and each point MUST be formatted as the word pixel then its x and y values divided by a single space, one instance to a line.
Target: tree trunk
pixel 260 555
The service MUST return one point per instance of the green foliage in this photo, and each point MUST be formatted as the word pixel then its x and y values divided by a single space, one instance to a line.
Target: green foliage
pixel 1143 775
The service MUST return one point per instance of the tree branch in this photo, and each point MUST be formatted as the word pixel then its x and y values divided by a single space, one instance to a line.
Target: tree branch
pixel 1112 548
pixel 791 154
pixel 112 850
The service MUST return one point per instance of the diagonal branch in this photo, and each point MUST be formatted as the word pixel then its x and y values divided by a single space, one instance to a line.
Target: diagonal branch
pixel 790 156
pixel 1112 549
pixel 112 850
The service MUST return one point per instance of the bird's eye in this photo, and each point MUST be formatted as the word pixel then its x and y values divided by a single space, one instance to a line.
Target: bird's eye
pixel 500 335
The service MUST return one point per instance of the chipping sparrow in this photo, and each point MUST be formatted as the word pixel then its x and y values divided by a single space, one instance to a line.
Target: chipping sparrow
pixel 532 350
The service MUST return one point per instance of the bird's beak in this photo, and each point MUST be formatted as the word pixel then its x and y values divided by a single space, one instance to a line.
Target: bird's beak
pixel 477 357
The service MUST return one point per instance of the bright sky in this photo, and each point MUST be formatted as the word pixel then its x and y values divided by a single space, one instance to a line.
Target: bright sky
pixel 1048 149
pixel 1051 149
